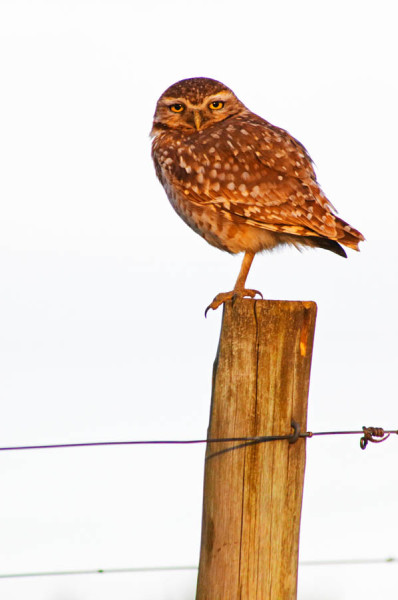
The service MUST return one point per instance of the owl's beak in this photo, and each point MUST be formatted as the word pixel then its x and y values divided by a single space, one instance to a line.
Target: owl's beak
pixel 197 119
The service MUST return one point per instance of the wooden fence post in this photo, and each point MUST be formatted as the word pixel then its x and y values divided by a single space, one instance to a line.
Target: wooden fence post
pixel 253 494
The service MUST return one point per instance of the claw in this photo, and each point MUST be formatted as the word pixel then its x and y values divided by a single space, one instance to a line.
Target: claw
pixel 233 295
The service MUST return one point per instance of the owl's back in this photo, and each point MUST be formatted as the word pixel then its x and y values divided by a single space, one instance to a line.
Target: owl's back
pixel 244 184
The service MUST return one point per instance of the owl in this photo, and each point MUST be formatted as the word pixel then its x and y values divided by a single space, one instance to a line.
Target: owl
pixel 241 183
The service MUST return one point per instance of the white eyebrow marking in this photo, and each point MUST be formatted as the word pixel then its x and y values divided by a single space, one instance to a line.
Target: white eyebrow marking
pixel 223 95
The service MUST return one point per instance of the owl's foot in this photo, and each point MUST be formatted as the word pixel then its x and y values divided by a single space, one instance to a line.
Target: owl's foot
pixel 224 296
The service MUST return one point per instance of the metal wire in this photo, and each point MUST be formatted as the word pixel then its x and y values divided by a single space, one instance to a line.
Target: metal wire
pixel 304 563
pixel 97 571
pixel 369 434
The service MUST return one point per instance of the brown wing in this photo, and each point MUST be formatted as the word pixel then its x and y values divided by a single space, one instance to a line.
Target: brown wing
pixel 251 169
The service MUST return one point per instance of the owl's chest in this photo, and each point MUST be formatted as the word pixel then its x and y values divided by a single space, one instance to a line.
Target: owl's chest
pixel 189 204
pixel 175 168
pixel 176 196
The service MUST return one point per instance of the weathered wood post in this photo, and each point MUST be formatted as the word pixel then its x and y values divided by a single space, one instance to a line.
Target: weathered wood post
pixel 253 494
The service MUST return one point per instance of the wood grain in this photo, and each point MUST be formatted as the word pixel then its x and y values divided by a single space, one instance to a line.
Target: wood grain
pixel 253 494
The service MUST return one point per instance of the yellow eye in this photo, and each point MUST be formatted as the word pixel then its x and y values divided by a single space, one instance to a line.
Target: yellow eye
pixel 176 108
pixel 216 105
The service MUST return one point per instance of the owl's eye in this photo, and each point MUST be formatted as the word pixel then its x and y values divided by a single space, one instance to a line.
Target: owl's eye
pixel 216 105
pixel 176 108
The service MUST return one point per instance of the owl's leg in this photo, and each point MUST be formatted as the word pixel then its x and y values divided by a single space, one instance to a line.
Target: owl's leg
pixel 239 290
pixel 244 272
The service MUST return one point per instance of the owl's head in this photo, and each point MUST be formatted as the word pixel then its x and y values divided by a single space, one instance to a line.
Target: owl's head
pixel 195 104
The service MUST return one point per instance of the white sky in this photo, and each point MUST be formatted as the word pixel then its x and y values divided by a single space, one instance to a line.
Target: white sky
pixel 102 286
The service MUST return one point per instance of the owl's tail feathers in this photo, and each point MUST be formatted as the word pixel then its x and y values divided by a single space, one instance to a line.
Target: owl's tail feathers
pixel 347 235
pixel 326 244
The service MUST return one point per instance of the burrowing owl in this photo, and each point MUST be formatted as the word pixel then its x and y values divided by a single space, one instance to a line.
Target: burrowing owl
pixel 238 181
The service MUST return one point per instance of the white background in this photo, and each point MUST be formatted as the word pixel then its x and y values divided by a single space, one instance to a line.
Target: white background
pixel 102 286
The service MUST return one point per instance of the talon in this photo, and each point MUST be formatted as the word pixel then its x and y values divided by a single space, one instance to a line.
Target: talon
pixel 250 293
pixel 218 300
pixel 233 295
